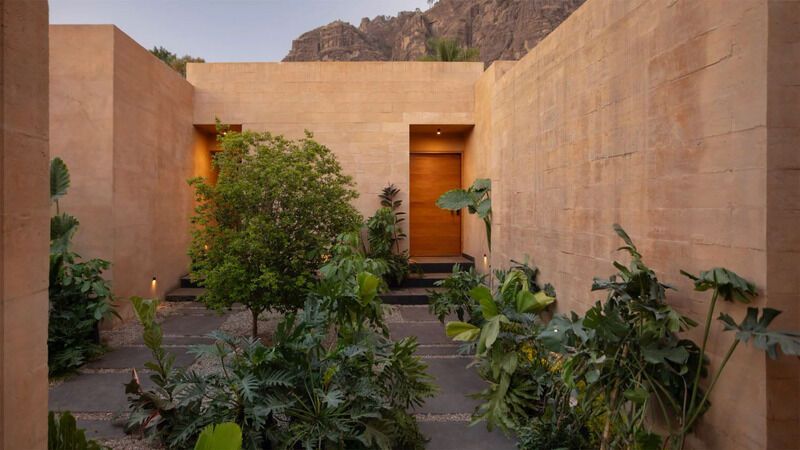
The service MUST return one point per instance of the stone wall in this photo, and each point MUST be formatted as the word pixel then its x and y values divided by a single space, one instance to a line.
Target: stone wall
pixel 665 117
pixel 122 121
pixel 362 111
pixel 25 224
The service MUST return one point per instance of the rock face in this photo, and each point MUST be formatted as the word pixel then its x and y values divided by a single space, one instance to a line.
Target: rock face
pixel 500 29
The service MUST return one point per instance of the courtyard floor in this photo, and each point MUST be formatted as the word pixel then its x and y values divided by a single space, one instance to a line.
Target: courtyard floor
pixel 96 394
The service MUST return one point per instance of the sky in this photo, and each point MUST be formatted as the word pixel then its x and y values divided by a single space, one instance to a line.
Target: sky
pixel 222 30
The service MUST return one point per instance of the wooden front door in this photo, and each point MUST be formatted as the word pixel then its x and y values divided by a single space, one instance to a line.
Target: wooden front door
pixel 434 231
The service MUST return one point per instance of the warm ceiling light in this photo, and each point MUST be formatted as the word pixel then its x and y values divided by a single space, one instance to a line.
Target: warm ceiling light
pixel 439 131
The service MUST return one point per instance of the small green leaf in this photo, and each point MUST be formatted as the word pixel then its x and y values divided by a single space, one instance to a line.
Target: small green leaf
pixel 462 331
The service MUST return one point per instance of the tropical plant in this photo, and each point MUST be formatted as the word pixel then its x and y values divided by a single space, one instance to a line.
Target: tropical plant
pixel 262 230
pixel 449 50
pixel 304 391
pixel 729 286
pixel 177 63
pixel 63 434
pixel 225 436
pixel 629 359
pixel 477 199
pixel 504 330
pixel 384 234
pixel 79 296
pixel 453 295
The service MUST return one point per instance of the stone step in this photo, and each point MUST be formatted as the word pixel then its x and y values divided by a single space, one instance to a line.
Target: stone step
pixel 406 296
pixel 424 279
pixel 455 382
pixel 183 294
pixel 429 264
pixel 187 282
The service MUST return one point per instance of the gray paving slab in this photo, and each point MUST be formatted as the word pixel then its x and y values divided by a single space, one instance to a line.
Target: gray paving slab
pixel 426 332
pixel 102 429
pixel 455 382
pixel 438 350
pixel 187 341
pixel 135 357
pixel 461 436
pixel 93 392
pixel 191 324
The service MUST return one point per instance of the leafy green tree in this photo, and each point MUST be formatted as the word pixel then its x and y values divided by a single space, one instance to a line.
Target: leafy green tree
pixel 449 50
pixel 178 63
pixel 263 229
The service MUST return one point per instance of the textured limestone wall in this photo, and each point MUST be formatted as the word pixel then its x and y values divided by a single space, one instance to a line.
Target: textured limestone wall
pixel 24 224
pixel 655 114
pixel 783 214
pixel 362 111
pixel 122 121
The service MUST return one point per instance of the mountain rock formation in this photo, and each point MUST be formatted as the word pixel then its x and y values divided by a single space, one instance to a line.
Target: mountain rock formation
pixel 500 29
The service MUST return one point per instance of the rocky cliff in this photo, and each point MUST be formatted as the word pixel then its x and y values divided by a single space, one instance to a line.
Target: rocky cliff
pixel 500 29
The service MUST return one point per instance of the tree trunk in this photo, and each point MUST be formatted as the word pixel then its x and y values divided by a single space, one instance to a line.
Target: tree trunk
pixel 255 314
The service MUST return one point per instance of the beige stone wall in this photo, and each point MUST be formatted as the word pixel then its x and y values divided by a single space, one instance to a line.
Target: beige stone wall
pixel 25 223
pixel 362 111
pixel 122 121
pixel 783 214
pixel 654 114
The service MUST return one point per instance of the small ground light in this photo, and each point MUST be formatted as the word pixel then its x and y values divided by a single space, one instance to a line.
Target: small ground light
pixel 439 131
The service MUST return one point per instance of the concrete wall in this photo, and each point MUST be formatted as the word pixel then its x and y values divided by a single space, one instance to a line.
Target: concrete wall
pixel 783 214
pixel 362 111
pixel 663 116
pixel 122 121
pixel 24 224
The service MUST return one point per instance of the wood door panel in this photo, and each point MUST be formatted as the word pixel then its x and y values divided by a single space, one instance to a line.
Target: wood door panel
pixel 434 231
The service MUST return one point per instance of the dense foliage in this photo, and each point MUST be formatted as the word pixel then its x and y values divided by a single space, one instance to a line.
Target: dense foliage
pixel 332 379
pixel 385 233
pixel 263 229
pixel 63 434
pixel 603 379
pixel 502 323
pixel 449 50
pixel 79 296
pixel 177 63
pixel 453 295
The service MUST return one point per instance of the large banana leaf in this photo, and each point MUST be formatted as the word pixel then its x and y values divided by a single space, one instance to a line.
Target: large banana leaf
pixel 225 436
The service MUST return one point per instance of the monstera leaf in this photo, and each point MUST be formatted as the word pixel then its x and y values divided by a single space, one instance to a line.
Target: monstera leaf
pixel 725 283
pixel 59 179
pixel 756 329
pixel 225 436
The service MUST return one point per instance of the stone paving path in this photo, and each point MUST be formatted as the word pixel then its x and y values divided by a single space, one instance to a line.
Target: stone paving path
pixel 444 419
pixel 97 399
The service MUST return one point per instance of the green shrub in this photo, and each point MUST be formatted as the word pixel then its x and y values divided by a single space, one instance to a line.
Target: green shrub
pixel 384 235
pixel 306 390
pixel 63 434
pixel 79 296
pixel 454 296
pixel 504 326
pixel 629 361
pixel 263 229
